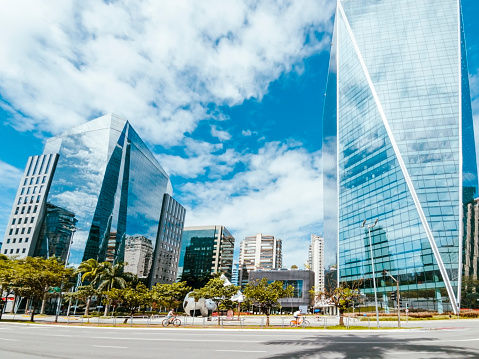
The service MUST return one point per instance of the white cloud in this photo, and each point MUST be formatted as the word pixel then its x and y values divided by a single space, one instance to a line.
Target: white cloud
pixel 246 133
pixel 279 193
pixel 155 63
pixel 219 134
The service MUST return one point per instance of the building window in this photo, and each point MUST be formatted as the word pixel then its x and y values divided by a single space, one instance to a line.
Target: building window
pixel 25 200
pixel 34 189
pixel 31 180
pixel 38 199
pixel 14 240
pixel 8 240
pixel 35 209
pixel 19 200
pixel 16 231
pixel 31 220
pixel 23 250
pixel 5 251
pixel 26 240
pixel 11 251
pixel 23 230
pixel 18 250
pixel 25 182
pixel 28 190
pixel 41 188
pixel 20 240
pixel 16 210
pixel 13 222
pixel 11 231
pixel 23 210
pixel 23 190
pixel 29 230
pixel 38 180
pixel 44 178
pixel 29 209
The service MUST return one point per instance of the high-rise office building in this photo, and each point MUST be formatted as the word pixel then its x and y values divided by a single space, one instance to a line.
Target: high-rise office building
pixel 167 253
pixel 94 186
pixel 259 252
pixel 398 122
pixel 316 261
pixel 205 250
pixel 138 255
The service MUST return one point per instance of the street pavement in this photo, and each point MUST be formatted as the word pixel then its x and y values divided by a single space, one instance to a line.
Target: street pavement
pixel 436 339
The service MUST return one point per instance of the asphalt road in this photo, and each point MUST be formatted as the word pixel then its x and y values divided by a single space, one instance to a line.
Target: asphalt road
pixel 460 339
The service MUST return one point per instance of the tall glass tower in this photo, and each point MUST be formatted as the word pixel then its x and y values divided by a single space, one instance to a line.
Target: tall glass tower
pixel 95 189
pixel 398 123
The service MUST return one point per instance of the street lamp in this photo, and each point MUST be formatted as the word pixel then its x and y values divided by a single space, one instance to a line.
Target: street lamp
pixel 372 266
pixel 397 295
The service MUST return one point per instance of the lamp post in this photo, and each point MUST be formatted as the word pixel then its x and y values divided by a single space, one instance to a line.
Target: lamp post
pixel 397 295
pixel 372 267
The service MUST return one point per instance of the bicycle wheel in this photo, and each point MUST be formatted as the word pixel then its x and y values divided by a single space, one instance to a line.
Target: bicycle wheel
pixel 177 322
pixel 306 323
pixel 292 323
pixel 165 322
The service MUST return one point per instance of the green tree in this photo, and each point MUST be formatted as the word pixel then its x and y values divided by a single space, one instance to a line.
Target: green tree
pixel 266 295
pixel 91 271
pixel 170 295
pixel 294 266
pixel 7 274
pixel 341 297
pixel 34 277
pixel 216 291
pixel 111 277
pixel 132 298
pixel 84 293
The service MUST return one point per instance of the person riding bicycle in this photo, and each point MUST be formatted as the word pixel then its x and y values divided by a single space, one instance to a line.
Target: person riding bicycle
pixel 171 316
pixel 297 315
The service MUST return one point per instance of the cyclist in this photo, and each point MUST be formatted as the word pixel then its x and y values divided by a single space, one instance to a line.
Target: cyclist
pixel 171 316
pixel 297 315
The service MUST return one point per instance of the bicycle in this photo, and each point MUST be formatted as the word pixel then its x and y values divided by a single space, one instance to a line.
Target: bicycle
pixel 176 322
pixel 301 321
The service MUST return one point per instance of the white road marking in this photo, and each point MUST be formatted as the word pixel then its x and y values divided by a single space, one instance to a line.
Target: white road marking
pixel 10 340
pixel 109 346
pixel 242 351
pixel 180 340
pixel 62 335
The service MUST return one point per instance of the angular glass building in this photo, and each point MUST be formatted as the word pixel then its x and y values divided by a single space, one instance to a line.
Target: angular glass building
pixel 398 123
pixel 205 250
pixel 96 187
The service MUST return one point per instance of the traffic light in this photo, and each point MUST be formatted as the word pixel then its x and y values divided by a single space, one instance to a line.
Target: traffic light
pixel 393 296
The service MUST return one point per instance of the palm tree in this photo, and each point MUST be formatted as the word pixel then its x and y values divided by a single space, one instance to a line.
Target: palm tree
pixel 91 271
pixel 112 276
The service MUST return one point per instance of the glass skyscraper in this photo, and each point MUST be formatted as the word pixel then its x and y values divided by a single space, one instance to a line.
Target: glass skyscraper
pixel 398 123
pixel 205 250
pixel 96 187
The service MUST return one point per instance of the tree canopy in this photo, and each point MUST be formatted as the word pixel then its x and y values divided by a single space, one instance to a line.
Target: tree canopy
pixel 266 295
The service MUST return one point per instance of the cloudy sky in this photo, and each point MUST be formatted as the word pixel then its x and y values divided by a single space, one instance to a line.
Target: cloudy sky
pixel 228 94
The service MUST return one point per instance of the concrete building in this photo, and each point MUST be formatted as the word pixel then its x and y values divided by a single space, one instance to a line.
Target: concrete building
pixel 398 122
pixel 138 256
pixel 94 186
pixel 259 252
pixel 316 261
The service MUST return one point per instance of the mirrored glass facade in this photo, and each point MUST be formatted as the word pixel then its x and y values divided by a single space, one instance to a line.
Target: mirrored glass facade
pixel 205 250
pixel 106 189
pixel 404 145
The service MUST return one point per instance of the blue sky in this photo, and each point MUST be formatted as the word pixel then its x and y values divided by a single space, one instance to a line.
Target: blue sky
pixel 228 94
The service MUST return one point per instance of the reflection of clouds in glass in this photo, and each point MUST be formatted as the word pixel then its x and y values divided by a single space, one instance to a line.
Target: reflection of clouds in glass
pixel 79 239
pixel 78 201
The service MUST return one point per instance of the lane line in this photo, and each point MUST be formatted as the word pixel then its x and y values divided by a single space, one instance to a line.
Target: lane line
pixel 181 340
pixel 109 346
pixel 9 340
pixel 62 335
pixel 242 351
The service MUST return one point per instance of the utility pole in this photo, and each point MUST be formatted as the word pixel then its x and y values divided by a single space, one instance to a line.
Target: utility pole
pixel 398 298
